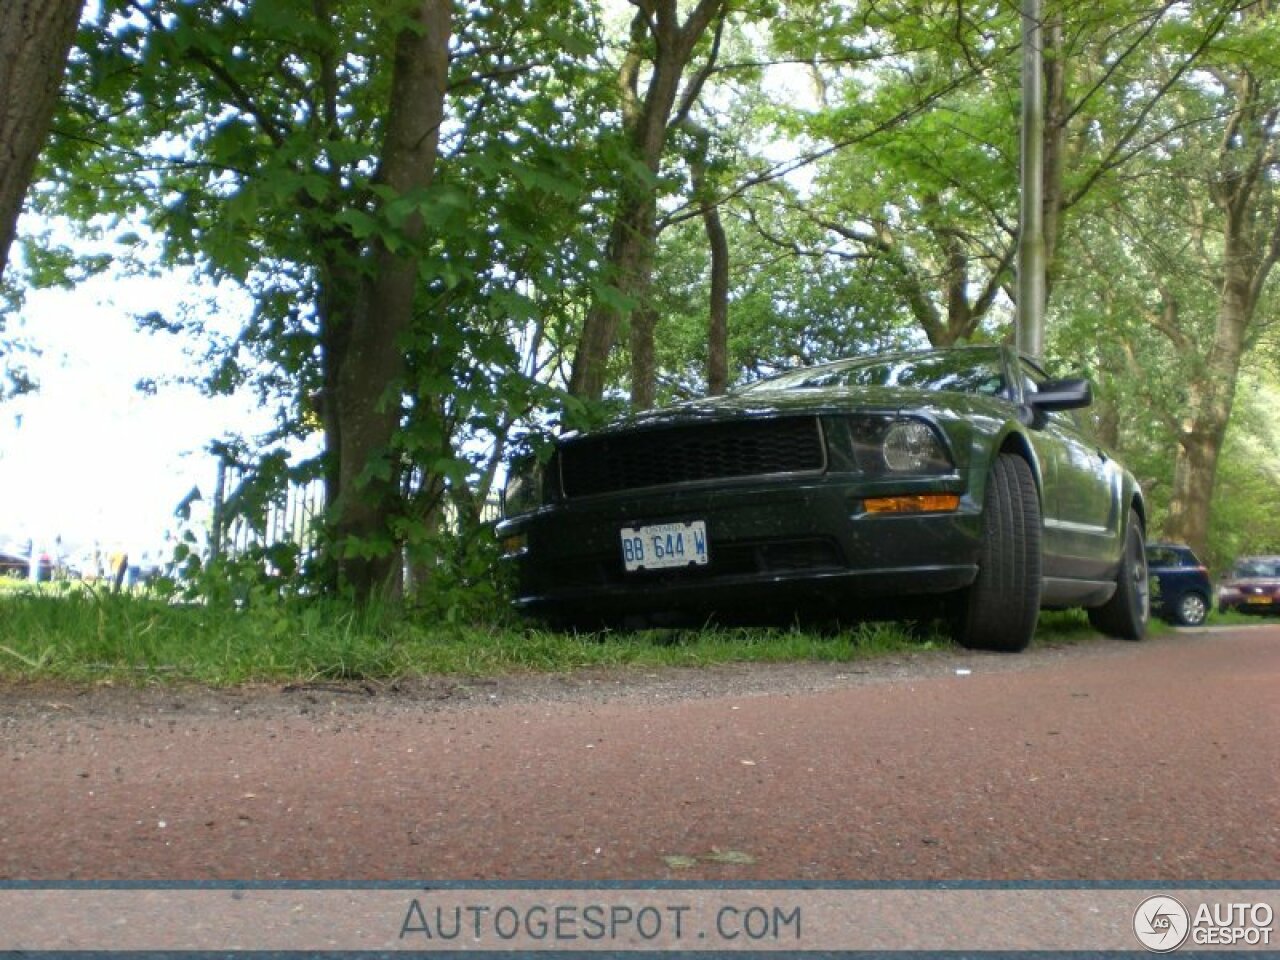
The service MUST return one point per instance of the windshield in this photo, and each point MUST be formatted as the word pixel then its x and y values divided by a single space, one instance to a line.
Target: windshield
pixel 1254 569
pixel 964 371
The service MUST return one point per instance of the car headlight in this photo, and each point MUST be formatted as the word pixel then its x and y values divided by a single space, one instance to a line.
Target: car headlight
pixel 879 446
pixel 523 491
pixel 911 446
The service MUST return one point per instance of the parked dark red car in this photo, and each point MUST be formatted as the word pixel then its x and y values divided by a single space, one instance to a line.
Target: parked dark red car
pixel 1253 586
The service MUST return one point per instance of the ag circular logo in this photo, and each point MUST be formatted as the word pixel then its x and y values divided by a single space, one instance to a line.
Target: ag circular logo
pixel 1161 924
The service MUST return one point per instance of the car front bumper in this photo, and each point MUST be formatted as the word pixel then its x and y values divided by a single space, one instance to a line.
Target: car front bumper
pixel 775 549
pixel 1243 604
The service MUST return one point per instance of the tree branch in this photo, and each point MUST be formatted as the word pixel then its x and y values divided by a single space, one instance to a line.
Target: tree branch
pixel 239 95
pixel 693 89
pixel 779 170
pixel 1115 65
pixel 1110 161
pixel 695 25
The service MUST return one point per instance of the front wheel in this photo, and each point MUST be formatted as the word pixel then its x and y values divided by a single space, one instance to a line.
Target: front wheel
pixel 1192 609
pixel 1125 615
pixel 1000 610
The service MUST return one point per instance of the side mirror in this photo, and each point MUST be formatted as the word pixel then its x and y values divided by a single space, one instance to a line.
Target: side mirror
pixel 1072 394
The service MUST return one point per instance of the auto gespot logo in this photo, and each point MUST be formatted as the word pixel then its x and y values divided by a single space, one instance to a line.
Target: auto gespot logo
pixel 1162 924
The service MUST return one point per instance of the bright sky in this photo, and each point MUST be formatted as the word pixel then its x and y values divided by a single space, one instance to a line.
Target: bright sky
pixel 88 457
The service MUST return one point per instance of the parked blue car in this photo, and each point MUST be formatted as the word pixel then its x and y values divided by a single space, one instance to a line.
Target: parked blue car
pixel 1180 586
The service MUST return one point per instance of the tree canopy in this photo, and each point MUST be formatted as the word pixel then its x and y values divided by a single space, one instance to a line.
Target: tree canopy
pixel 463 226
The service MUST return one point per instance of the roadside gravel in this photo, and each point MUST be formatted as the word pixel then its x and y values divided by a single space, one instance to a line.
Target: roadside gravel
pixel 22 703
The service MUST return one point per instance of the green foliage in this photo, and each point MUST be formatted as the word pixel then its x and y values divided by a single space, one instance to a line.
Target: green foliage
pixel 1246 503
pixel 246 136
pixel 786 309
pixel 1141 299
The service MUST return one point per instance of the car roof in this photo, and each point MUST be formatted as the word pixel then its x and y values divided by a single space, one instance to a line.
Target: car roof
pixel 871 356
pixel 878 356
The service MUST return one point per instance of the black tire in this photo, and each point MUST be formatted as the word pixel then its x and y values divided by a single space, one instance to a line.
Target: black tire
pixel 1192 608
pixel 1125 615
pixel 1000 610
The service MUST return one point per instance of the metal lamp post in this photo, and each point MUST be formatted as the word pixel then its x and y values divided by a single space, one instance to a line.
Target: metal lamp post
pixel 1031 252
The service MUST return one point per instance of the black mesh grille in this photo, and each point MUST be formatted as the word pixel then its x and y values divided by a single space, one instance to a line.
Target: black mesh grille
pixel 684 454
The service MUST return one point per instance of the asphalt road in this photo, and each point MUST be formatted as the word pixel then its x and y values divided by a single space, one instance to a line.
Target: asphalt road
pixel 1106 761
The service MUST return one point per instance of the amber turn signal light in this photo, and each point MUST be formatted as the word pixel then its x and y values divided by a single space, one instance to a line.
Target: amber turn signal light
pixel 514 545
pixel 922 503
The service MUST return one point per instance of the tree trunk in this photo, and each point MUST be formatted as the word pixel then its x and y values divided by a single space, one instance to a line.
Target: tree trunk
pixel 718 244
pixel 35 39
pixel 334 334
pixel 1209 408
pixel 643 363
pixel 1194 473
pixel 960 319
pixel 963 315
pixel 1107 416
pixel 629 266
pixel 369 370
pixel 629 257
pixel 1240 188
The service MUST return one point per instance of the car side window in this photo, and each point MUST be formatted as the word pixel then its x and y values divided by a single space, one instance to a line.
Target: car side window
pixel 1256 569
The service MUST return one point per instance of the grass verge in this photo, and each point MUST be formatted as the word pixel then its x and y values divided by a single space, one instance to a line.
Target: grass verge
pixel 86 636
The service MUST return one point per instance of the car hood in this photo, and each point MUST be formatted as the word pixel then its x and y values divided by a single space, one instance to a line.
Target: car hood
pixel 826 400
pixel 1246 582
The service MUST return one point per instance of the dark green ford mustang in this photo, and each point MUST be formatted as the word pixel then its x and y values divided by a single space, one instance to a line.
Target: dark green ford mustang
pixel 944 483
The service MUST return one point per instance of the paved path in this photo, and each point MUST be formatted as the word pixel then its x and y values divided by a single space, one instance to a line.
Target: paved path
pixel 1154 761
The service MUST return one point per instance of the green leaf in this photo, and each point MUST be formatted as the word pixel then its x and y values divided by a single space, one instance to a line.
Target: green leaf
pixel 361 225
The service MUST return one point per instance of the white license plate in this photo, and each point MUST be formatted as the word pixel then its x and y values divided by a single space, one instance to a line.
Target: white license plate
pixel 664 545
